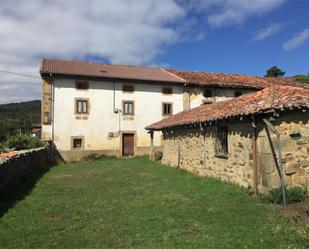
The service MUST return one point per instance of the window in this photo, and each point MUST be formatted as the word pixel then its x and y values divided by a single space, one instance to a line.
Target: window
pixel 207 93
pixel 82 85
pixel 237 93
pixel 82 106
pixel 128 108
pixel 128 88
pixel 167 90
pixel 167 109
pixel 207 102
pixel 77 142
pixel 222 142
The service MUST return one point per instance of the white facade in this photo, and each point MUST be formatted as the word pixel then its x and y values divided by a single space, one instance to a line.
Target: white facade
pixel 102 129
pixel 96 127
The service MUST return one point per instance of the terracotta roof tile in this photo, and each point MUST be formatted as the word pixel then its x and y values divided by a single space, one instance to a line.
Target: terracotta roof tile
pixel 252 103
pixel 231 80
pixel 91 69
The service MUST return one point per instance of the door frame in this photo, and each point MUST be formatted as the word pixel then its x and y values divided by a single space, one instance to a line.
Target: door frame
pixel 134 142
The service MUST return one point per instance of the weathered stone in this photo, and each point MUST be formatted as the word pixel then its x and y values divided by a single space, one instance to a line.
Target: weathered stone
pixel 266 164
pixel 291 168
pixel 271 181
pixel 287 144
pixel 304 163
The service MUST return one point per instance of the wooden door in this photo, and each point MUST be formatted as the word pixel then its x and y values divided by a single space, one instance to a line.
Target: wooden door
pixel 128 144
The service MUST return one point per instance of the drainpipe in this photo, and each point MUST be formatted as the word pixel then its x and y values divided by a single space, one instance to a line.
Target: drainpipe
pixel 53 118
pixel 152 157
pixel 278 157
pixel 255 171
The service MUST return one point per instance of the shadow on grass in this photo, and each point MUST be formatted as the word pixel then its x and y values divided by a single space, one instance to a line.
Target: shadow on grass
pixel 9 198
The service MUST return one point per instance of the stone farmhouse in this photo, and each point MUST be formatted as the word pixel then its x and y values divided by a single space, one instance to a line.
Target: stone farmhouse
pixel 256 140
pixel 101 108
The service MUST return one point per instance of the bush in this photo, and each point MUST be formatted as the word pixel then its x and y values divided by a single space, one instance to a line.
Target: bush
pixel 22 142
pixel 295 194
pixel 158 155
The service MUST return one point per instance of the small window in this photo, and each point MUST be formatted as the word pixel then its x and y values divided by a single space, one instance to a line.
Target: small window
pixel 128 108
pixel 82 106
pixel 167 90
pixel 167 109
pixel 128 88
pixel 207 93
pixel 82 85
pixel 237 93
pixel 77 143
pixel 222 142
pixel 207 102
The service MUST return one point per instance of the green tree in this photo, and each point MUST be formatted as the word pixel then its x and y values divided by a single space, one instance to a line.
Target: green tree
pixel 302 78
pixel 274 71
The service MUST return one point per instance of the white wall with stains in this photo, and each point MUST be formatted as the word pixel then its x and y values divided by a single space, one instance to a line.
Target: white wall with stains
pixel 101 120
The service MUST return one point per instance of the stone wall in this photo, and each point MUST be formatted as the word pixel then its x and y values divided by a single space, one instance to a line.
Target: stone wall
pixel 194 150
pixel 23 165
pixel 294 136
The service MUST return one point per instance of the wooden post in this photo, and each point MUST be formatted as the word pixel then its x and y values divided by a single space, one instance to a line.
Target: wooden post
pixel 152 153
pixel 254 157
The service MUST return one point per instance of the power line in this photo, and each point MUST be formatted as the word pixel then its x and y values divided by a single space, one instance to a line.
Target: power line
pixel 19 74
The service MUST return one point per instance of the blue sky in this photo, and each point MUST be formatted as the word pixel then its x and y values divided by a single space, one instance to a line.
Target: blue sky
pixel 226 36
pixel 233 49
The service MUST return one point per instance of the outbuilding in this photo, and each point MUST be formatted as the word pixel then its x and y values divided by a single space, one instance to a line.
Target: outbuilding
pixel 256 140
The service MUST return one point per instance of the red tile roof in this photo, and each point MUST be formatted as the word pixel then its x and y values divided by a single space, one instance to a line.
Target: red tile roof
pixel 276 97
pixel 92 69
pixel 231 80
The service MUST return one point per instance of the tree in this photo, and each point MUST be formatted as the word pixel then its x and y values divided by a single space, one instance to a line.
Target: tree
pixel 274 72
pixel 302 78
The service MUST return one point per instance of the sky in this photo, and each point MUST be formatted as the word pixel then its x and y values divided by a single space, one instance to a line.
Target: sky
pixel 226 36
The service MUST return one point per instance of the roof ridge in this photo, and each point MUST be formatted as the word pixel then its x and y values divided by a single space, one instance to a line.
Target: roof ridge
pixel 174 75
pixel 100 63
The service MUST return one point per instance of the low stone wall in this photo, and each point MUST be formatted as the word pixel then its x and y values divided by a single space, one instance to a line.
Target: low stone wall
pixel 194 150
pixel 23 165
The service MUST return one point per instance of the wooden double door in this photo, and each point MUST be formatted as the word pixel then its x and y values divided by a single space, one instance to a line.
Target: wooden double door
pixel 127 144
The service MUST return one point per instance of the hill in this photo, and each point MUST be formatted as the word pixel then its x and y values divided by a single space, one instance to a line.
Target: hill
pixel 16 117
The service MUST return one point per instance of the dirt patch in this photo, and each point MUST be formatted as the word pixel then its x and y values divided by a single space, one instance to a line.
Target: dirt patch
pixel 296 211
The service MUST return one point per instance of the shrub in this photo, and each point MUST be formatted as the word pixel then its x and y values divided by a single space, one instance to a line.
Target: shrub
pixel 295 194
pixel 22 142
pixel 158 155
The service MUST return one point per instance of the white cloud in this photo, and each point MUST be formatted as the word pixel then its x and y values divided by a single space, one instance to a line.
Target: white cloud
pixel 264 33
pixel 296 41
pixel 223 13
pixel 120 31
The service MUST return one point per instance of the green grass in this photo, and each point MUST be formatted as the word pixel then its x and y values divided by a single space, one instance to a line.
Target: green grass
pixel 134 203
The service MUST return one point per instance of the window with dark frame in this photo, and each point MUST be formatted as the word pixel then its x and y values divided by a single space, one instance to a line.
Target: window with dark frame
pixel 82 106
pixel 128 108
pixel 82 85
pixel 167 109
pixel 167 90
pixel 237 93
pixel 222 142
pixel 77 143
pixel 207 93
pixel 128 88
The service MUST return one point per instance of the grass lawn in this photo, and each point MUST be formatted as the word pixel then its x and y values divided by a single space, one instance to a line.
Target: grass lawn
pixel 134 203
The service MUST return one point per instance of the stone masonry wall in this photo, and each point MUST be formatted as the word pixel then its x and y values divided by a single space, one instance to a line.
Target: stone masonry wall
pixel 24 165
pixel 194 150
pixel 294 136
